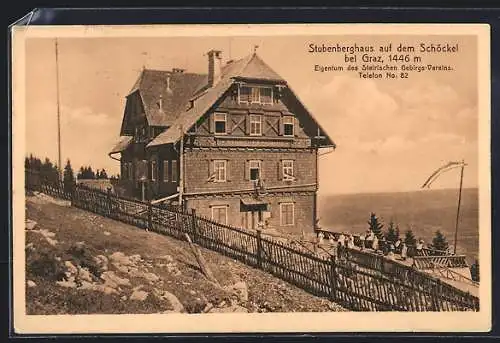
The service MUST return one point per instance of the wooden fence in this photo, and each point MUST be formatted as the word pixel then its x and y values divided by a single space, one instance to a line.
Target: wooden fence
pixel 357 280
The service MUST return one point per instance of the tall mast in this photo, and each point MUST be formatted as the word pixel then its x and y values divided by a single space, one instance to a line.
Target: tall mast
pixel 458 207
pixel 58 114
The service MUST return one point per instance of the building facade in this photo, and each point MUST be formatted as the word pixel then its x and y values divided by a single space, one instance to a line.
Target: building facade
pixel 236 145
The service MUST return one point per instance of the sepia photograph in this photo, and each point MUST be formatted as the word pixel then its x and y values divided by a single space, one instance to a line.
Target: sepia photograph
pixel 210 174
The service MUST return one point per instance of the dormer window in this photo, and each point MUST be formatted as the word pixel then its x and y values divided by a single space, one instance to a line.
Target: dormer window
pixel 255 95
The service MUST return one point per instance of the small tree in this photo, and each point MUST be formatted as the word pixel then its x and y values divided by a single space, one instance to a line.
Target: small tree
pixel 439 241
pixel 392 234
pixel 375 225
pixel 68 178
pixel 103 174
pixel 410 239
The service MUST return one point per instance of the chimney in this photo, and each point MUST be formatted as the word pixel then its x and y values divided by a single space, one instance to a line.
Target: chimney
pixel 214 67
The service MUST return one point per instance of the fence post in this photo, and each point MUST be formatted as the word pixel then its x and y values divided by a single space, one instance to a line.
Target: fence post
pixel 150 216
pixel 259 248
pixel 333 279
pixel 110 204
pixel 194 225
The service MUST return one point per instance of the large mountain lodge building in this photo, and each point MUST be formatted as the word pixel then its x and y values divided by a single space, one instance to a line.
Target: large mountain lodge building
pixel 236 145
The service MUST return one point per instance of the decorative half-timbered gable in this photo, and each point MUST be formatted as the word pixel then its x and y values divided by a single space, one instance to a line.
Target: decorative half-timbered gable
pixel 238 146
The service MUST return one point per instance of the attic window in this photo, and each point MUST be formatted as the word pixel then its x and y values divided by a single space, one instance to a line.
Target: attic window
pixel 255 95
pixel 220 123
pixel 288 125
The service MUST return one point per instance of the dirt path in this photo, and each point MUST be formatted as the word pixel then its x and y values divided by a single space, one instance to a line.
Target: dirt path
pixel 78 262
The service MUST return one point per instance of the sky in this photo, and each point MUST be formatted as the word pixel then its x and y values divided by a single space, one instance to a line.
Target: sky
pixel 390 134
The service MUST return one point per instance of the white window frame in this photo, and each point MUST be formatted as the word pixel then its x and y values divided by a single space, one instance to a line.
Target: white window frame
pixel 218 207
pixel 259 100
pixel 154 170
pixel 292 122
pixel 287 176
pixel 282 205
pixel 272 96
pixel 256 119
pixel 216 170
pixel 216 120
pixel 173 171
pixel 259 164
pixel 166 174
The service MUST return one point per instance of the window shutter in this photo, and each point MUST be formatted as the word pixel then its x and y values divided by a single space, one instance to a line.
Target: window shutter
pixel 211 122
pixel 247 124
pixel 247 170
pixel 280 170
pixel 228 170
pixel 281 126
pixel 295 127
pixel 261 170
pixel 210 168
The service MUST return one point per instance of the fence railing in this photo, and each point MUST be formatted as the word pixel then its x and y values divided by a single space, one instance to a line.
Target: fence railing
pixel 354 279
pixel 431 262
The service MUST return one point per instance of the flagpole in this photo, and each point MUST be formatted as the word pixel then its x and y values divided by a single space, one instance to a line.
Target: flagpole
pixel 458 207
pixel 58 115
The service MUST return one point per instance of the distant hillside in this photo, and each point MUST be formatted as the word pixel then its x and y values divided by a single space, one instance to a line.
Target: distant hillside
pixel 425 211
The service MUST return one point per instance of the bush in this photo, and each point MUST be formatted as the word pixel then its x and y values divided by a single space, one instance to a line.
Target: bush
pixel 43 265
pixel 83 257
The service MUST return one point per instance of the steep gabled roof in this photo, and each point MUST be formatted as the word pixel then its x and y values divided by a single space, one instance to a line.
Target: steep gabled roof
pixel 251 67
pixel 173 88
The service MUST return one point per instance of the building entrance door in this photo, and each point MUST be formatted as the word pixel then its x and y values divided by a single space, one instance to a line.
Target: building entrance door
pixel 252 215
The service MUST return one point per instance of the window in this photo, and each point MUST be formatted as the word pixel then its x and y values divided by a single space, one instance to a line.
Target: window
pixel 266 95
pixel 220 171
pixel 288 170
pixel 255 125
pixel 288 126
pixel 219 214
pixel 254 171
pixel 142 170
pixel 255 95
pixel 154 171
pixel 165 171
pixel 130 171
pixel 220 123
pixel 286 213
pixel 124 171
pixel 174 170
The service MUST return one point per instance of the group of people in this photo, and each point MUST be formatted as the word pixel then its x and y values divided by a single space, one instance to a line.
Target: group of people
pixel 369 240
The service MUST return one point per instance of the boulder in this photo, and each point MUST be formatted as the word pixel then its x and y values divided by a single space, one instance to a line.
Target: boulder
pixel 31 283
pixel 139 295
pixel 120 258
pixel 174 301
pixel 240 289
pixel 71 268
pixel 112 280
pixel 167 258
pixel 30 224
pixel 84 274
pixel 106 233
pixel 67 283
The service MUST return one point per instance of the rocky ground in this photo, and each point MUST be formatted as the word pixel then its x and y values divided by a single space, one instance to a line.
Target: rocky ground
pixel 78 262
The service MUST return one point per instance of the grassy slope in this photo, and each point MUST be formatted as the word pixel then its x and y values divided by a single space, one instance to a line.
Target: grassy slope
pixel 105 236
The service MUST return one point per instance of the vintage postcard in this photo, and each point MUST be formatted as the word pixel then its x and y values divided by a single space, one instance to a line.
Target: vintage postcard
pixel 251 178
